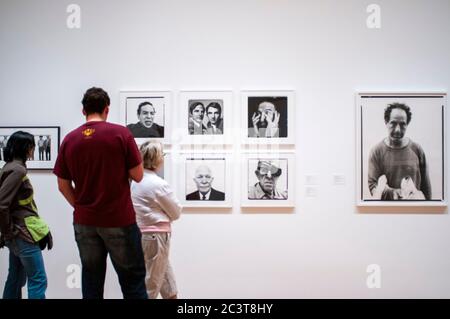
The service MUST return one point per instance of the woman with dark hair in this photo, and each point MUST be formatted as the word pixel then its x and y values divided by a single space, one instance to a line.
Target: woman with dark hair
pixel 21 228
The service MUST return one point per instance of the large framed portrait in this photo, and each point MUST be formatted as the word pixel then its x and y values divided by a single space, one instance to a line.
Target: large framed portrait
pixel 268 179
pixel 268 117
pixel 401 149
pixel 207 117
pixel 147 114
pixel 46 138
pixel 205 180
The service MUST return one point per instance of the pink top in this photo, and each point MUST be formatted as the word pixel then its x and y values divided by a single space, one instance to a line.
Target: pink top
pixel 161 227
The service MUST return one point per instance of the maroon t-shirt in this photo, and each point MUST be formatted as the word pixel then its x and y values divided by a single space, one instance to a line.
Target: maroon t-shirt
pixel 96 157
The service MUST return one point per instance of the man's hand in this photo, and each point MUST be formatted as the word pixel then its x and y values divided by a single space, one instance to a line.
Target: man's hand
pixel 381 186
pixel 272 124
pixel 255 119
pixel 408 189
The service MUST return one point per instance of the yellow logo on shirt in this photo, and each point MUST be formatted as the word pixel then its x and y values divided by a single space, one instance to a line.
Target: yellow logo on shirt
pixel 88 132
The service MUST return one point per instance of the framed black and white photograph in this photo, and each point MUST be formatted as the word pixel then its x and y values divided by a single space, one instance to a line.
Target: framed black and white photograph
pixel 268 117
pixel 268 179
pixel 401 149
pixel 147 114
pixel 208 117
pixel 46 138
pixel 205 180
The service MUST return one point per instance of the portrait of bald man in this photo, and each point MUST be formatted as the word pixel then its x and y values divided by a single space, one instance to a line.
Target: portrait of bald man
pixel 203 179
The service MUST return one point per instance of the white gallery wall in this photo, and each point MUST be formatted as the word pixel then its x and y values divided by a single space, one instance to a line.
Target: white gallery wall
pixel 324 51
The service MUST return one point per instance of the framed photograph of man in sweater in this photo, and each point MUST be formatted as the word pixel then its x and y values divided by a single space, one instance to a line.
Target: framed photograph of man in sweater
pixel 205 180
pixel 401 149
pixel 147 114
pixel 46 138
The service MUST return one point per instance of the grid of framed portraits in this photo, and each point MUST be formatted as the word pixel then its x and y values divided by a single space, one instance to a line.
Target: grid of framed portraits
pixel 209 119
pixel 47 139
pixel 268 174
pixel 401 149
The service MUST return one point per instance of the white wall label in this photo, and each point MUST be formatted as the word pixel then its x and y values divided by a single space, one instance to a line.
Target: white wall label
pixel 311 191
pixel 338 179
pixel 311 179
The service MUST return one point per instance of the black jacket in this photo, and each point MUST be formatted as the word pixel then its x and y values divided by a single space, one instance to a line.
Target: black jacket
pixel 139 130
pixel 215 195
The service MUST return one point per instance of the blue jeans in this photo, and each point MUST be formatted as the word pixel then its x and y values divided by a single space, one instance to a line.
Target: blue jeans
pixel 25 261
pixel 125 249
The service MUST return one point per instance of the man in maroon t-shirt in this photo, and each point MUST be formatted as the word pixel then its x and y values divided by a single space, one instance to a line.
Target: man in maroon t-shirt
pixel 99 158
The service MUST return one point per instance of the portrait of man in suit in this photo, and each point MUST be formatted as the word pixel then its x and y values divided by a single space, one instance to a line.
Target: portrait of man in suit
pixel 203 179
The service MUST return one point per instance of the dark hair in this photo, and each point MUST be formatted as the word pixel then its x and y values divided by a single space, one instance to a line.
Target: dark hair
pixel 401 106
pixel 194 105
pixel 214 105
pixel 18 146
pixel 95 100
pixel 143 104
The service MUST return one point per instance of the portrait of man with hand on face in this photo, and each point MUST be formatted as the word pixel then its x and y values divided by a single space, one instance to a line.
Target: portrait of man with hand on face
pixel 267 117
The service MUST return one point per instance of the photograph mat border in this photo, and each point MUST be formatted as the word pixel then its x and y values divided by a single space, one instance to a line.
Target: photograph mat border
pixel 360 202
pixel 31 164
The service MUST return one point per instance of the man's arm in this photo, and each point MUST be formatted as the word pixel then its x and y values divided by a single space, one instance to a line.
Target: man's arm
pixel 66 188
pixel 137 173
pixel 374 171
pixel 425 186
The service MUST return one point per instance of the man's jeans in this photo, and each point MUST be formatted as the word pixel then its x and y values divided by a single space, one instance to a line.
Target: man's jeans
pixel 25 261
pixel 125 249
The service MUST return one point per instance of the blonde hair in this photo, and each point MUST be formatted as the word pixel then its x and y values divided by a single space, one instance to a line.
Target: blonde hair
pixel 152 154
